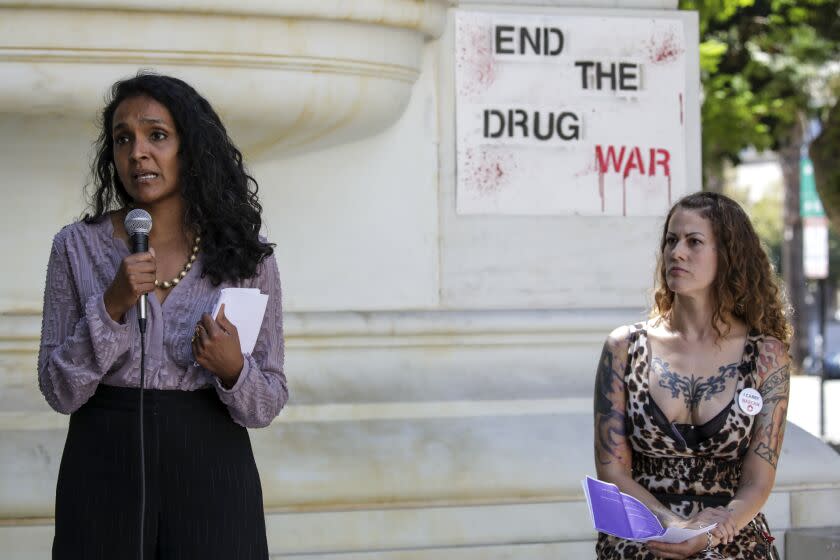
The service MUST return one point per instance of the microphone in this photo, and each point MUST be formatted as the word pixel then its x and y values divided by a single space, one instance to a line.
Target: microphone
pixel 138 224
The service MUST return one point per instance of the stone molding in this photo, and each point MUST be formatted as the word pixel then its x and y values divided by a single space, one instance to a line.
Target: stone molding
pixel 286 77
pixel 427 16
pixel 20 332
pixel 605 4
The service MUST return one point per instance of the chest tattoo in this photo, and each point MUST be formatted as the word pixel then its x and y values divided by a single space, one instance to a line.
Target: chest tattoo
pixel 692 389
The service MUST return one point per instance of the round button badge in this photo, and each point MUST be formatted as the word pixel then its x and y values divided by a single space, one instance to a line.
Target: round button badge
pixel 750 401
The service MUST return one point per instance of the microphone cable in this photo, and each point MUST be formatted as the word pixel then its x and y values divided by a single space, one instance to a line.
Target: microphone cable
pixel 138 224
pixel 142 442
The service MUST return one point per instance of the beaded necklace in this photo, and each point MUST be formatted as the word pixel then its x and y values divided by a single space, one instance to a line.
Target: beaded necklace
pixel 166 284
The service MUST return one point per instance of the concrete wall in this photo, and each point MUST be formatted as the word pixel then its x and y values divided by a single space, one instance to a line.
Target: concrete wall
pixel 441 366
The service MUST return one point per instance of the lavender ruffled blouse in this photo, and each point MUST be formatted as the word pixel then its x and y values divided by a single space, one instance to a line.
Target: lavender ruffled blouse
pixel 81 346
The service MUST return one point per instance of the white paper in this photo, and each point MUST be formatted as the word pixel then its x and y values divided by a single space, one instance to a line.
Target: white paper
pixel 244 307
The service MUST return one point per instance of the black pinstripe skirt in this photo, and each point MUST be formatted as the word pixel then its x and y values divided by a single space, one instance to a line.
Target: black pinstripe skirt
pixel 203 493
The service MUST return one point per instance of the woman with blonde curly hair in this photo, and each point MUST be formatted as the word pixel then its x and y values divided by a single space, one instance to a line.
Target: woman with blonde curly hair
pixel 690 405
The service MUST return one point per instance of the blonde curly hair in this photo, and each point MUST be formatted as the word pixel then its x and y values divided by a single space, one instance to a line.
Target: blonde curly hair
pixel 745 287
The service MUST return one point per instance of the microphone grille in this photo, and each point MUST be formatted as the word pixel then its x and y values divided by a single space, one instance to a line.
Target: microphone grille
pixel 138 221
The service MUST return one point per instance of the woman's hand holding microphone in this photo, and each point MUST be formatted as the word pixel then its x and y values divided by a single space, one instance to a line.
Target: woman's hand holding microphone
pixel 135 277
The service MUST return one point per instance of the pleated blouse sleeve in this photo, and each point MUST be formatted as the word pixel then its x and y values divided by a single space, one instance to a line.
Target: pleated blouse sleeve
pixel 261 392
pixel 79 340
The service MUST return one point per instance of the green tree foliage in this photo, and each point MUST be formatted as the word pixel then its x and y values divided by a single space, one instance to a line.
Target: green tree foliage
pixel 767 68
pixel 765 214
pixel 825 153
pixel 764 71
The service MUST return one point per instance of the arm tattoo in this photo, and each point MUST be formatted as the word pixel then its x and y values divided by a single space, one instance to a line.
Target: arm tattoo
pixel 775 387
pixel 767 357
pixel 609 420
pixel 692 389
pixel 770 428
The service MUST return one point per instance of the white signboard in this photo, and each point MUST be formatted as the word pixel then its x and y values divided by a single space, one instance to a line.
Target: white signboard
pixel 815 247
pixel 567 115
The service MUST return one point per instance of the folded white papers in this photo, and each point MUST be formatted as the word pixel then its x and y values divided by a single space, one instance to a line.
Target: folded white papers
pixel 244 307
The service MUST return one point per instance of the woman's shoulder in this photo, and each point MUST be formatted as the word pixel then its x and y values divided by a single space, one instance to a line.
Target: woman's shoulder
pixel 621 337
pixel 633 330
pixel 81 230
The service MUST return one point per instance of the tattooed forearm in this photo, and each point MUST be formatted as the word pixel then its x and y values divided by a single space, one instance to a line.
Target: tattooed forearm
pixel 767 454
pixel 692 389
pixel 770 423
pixel 609 418
pixel 770 437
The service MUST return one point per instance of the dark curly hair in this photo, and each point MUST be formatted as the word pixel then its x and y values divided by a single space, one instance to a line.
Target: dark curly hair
pixel 745 286
pixel 221 198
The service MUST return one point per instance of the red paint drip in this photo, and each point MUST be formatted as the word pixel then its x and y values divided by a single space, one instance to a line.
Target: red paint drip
pixel 681 109
pixel 624 195
pixel 624 188
pixel 601 188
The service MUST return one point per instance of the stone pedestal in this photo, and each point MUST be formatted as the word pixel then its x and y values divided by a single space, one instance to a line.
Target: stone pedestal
pixel 440 366
pixel 814 544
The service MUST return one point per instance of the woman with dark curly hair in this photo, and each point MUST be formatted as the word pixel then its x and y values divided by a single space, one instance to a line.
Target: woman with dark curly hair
pixel 162 149
pixel 690 405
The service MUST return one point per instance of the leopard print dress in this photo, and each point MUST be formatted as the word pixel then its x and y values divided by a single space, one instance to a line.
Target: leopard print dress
pixel 688 478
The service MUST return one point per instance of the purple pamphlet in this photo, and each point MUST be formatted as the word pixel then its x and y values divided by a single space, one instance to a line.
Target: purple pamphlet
pixel 622 515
